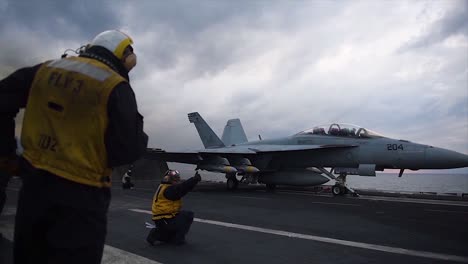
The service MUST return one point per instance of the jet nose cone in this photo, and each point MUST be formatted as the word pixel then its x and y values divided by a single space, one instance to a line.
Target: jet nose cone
pixel 464 160
pixel 439 158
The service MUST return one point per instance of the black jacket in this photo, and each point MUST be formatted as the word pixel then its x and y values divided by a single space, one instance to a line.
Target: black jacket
pixel 179 190
pixel 125 139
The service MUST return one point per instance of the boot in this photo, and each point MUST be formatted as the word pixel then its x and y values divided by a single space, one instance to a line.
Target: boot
pixel 152 236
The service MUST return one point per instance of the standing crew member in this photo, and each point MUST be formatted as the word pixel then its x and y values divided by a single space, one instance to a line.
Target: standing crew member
pixel 81 120
pixel 172 223
pixel 127 179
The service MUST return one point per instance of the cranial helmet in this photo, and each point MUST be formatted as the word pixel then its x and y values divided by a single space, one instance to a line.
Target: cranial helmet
pixel 172 176
pixel 114 41
pixel 172 173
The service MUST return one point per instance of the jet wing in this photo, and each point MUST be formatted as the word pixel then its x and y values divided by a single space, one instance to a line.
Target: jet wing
pixel 258 149
pixel 195 157
pixel 294 148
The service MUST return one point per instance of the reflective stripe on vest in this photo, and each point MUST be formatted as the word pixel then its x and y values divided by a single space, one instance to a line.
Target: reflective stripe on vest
pixel 66 120
pixel 163 207
pixel 83 68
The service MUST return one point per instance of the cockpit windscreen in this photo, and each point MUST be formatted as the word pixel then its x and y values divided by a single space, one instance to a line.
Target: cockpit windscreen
pixel 341 130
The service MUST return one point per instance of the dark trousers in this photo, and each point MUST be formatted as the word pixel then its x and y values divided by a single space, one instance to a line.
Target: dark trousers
pixel 172 230
pixel 4 178
pixel 127 185
pixel 59 221
pixel 3 198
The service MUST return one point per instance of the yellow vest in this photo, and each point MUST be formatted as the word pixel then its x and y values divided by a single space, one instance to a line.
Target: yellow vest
pixel 163 207
pixel 66 120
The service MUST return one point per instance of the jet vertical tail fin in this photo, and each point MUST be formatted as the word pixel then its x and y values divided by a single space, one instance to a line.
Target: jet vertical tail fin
pixel 233 133
pixel 208 137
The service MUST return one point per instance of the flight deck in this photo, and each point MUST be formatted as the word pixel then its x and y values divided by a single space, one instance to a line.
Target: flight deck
pixel 252 225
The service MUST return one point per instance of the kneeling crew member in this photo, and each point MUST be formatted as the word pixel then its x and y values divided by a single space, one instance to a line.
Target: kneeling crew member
pixel 172 224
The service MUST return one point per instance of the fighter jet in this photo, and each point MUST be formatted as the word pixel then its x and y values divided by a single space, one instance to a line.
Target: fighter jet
pixel 310 157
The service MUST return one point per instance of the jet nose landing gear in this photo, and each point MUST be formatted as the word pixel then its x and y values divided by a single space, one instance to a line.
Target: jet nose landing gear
pixel 338 190
pixel 341 188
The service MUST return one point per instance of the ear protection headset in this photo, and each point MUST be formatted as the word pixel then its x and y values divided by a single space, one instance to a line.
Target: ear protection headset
pixel 77 51
pixel 129 61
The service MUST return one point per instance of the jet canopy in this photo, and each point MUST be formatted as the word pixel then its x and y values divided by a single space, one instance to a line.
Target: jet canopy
pixel 341 130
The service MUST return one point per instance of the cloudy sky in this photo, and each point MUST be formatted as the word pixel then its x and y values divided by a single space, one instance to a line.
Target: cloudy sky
pixel 396 67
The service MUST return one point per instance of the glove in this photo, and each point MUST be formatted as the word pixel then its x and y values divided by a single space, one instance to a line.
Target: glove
pixel 197 176
pixel 9 164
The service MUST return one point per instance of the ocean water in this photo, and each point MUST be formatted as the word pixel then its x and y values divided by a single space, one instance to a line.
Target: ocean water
pixel 409 182
pixel 412 182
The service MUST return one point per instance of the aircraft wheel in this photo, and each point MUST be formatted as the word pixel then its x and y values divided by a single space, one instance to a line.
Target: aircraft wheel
pixel 337 190
pixel 232 183
pixel 270 186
